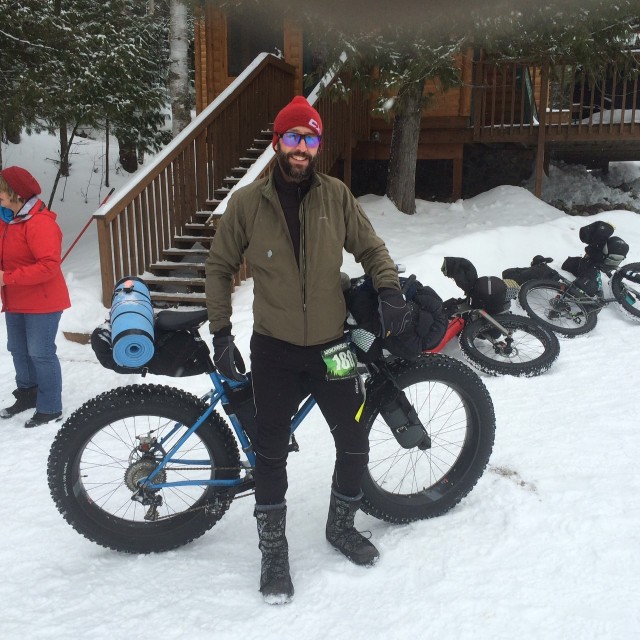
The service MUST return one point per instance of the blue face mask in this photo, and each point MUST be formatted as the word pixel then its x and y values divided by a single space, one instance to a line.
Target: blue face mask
pixel 6 214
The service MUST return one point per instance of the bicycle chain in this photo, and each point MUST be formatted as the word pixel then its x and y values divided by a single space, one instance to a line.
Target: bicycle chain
pixel 204 506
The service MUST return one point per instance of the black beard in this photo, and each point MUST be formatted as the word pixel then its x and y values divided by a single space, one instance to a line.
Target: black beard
pixel 295 175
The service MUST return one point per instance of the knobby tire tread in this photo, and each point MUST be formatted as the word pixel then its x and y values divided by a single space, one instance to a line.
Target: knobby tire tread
pixel 496 366
pixel 618 288
pixel 590 317
pixel 439 498
pixel 121 403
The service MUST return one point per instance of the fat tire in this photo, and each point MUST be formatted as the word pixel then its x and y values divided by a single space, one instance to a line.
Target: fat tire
pixel 132 534
pixel 622 287
pixel 457 413
pixel 535 348
pixel 535 309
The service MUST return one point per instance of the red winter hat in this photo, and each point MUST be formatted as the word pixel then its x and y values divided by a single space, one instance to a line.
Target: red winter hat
pixel 21 181
pixel 298 113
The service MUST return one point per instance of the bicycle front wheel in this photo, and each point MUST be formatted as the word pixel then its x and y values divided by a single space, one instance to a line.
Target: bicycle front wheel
pixel 625 286
pixel 527 350
pixel 549 303
pixel 403 485
pixel 113 442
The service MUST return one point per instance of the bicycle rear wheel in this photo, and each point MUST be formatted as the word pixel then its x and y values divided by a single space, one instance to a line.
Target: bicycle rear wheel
pixel 402 485
pixel 113 442
pixel 554 307
pixel 625 286
pixel 528 350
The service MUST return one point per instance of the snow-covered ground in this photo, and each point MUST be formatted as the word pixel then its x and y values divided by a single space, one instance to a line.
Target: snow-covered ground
pixel 545 547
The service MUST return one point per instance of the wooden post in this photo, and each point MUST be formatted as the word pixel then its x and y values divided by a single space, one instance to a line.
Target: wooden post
pixel 542 123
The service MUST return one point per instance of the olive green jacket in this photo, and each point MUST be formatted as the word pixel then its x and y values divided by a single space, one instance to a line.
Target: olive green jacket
pixel 301 305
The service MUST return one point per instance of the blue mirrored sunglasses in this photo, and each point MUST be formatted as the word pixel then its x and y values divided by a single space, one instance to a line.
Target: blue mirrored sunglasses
pixel 292 139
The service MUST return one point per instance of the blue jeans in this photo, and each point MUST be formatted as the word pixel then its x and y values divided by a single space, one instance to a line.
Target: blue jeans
pixel 31 339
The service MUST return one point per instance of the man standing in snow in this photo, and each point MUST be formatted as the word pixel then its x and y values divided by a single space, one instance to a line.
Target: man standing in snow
pixel 292 227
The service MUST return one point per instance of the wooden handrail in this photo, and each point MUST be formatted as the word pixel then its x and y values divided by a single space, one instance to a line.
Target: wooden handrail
pixel 142 218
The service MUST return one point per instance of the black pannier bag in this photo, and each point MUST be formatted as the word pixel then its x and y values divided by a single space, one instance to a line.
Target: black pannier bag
pixel 596 233
pixel 177 353
pixel 490 293
pixel 615 251
pixel 539 270
pixel 425 331
pixel 461 271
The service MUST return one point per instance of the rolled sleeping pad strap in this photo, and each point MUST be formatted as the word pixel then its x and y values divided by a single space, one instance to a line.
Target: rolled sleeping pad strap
pixel 132 335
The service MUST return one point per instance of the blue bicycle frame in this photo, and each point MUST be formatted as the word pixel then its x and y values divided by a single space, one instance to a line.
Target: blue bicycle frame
pixel 214 397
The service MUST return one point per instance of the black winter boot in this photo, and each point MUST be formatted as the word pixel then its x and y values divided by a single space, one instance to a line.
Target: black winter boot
pixel 38 419
pixel 343 535
pixel 25 399
pixel 275 581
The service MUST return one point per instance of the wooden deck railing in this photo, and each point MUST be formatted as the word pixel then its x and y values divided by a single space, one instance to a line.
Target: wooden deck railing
pixel 519 102
pixel 143 217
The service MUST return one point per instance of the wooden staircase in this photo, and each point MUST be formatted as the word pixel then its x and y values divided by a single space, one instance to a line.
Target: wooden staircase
pixel 178 277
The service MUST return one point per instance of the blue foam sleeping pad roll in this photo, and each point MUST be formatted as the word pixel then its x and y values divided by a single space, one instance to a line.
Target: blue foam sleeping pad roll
pixel 131 323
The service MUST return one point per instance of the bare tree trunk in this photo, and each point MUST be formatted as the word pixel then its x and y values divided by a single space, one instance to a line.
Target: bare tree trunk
pixel 179 71
pixel 401 181
pixel 64 148
pixel 107 132
pixel 128 155
pixel 64 157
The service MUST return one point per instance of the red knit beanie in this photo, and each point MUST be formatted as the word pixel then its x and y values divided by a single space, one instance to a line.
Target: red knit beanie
pixel 298 113
pixel 21 181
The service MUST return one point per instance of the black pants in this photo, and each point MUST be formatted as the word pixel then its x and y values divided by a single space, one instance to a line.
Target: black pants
pixel 281 373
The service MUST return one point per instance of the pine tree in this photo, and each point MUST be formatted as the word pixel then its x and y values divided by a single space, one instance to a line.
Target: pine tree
pixel 79 63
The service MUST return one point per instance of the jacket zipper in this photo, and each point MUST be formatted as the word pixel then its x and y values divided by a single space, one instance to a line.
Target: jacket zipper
pixel 303 263
pixel 3 289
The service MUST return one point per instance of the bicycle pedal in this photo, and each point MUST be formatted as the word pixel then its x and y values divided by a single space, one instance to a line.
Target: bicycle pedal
pixel 293 444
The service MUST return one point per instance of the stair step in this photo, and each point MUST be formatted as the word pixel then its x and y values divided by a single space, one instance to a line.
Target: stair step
pixel 176 298
pixel 221 192
pixel 239 171
pixel 200 228
pixel 187 267
pixel 231 181
pixel 174 281
pixel 182 253
pixel 261 143
pixel 246 162
pixel 211 204
pixel 184 239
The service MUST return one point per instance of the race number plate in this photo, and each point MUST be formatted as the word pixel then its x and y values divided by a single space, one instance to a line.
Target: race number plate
pixel 340 361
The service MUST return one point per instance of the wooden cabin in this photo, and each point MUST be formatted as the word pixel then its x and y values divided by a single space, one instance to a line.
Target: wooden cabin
pixel 161 225
pixel 496 104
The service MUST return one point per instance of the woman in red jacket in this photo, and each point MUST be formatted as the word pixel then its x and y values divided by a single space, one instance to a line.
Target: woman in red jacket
pixel 34 294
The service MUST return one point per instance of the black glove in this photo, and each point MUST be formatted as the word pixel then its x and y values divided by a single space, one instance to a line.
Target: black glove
pixel 395 315
pixel 227 358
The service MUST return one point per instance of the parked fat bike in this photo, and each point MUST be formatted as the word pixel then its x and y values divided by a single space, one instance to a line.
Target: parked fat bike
pixel 570 307
pixel 147 468
pixel 493 340
pixel 499 344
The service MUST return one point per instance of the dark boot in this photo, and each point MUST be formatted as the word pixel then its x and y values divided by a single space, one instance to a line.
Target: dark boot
pixel 343 535
pixel 38 419
pixel 25 399
pixel 275 581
